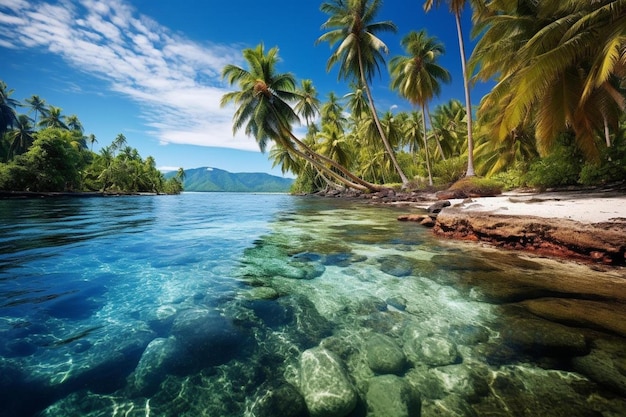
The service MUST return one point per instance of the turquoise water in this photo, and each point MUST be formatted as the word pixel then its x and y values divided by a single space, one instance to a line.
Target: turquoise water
pixel 203 305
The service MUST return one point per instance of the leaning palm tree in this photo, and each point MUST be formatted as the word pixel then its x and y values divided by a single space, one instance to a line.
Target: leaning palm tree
pixel 417 76
pixel 360 52
pixel 264 111
pixel 456 7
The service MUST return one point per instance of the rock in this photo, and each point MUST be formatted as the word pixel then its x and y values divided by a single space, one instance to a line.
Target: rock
pixel 438 206
pixel 437 351
pixel 324 384
pixel 543 338
pixel 467 381
pixel 262 293
pixel 547 236
pixel 384 356
pixel 602 315
pixel 605 364
pixel 283 401
pixel 449 406
pixel 413 217
pixel 156 362
pixel 209 338
pixel 396 265
pixel 391 396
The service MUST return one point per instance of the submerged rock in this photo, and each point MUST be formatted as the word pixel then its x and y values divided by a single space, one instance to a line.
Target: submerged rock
pixel 324 384
pixel 437 351
pixel 449 406
pixel 391 396
pixel 543 338
pixel 283 401
pixel 384 356
pixel 605 364
pixel 156 362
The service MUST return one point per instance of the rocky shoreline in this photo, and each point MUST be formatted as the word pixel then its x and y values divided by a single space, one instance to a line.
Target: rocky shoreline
pixel 581 225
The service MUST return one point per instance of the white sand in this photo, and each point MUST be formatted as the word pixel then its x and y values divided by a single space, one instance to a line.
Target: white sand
pixel 585 207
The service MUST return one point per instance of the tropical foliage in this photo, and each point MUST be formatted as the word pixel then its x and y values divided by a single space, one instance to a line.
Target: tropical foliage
pixel 555 116
pixel 49 153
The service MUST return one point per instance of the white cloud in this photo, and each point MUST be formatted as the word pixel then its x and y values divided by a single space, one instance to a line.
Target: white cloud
pixel 176 81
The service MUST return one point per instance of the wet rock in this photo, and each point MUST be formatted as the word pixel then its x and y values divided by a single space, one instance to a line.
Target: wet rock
pixel 268 261
pixel 325 386
pixel 391 396
pixel 262 293
pixel 398 266
pixel 525 391
pixel 548 236
pixel 156 362
pixel 208 338
pixel 343 259
pixel 601 315
pixel 270 312
pixel 310 325
pixel 449 406
pixel 424 382
pixel 384 356
pixel 605 364
pixel 397 302
pixel 543 338
pixel 283 401
pixel 437 351
pixel 468 334
pixel 468 381
pixel 438 206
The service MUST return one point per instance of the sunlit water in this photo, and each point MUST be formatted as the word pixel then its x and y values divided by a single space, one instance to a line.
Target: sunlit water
pixel 202 305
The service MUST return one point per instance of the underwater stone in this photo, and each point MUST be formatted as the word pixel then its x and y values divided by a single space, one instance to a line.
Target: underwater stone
pixel 544 338
pixel 391 396
pixel 469 381
pixel 155 363
pixel 398 266
pixel 262 293
pixel 449 406
pixel 384 356
pixel 283 401
pixel 604 366
pixel 437 351
pixel 326 388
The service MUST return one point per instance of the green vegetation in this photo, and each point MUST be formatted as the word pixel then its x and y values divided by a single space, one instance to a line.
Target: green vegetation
pixel 554 118
pixel 49 152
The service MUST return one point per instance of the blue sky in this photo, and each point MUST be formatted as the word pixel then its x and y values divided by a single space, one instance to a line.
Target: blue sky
pixel 150 69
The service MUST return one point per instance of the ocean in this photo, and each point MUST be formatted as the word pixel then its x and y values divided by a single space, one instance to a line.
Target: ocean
pixel 214 304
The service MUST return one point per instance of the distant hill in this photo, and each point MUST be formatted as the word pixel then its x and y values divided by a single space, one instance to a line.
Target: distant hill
pixel 213 179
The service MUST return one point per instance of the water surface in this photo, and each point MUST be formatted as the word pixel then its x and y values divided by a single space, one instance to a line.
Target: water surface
pixel 202 304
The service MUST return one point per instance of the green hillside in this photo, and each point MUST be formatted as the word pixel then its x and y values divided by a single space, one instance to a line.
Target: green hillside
pixel 213 179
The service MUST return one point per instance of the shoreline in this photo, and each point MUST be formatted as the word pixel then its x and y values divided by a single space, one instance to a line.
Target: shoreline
pixel 584 225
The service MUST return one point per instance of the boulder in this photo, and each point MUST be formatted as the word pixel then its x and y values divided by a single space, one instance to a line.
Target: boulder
pixel 449 406
pixel 437 351
pixel 543 338
pixel 605 364
pixel 391 396
pixel 438 206
pixel 283 401
pixel 324 384
pixel 384 356
pixel 156 362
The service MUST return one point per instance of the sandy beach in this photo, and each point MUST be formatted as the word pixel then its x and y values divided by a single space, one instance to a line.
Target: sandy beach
pixel 581 206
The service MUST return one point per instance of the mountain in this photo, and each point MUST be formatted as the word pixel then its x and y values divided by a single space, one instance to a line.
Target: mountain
pixel 213 179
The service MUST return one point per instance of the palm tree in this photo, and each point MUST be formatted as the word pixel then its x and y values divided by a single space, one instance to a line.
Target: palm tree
pixel 456 7
pixel 332 113
pixel 21 138
pixel 92 139
pixel 308 105
pixel 360 51
pixel 53 119
pixel 73 123
pixel 561 70
pixel 37 105
pixel 119 142
pixel 265 113
pixel 8 117
pixel 416 76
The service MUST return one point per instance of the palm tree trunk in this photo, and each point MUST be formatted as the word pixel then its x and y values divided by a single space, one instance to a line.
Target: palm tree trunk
pixel 607 136
pixel 430 175
pixel 439 148
pixel 468 102
pixel 383 137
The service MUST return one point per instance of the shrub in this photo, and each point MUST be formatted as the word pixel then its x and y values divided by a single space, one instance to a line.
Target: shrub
pixel 477 186
pixel 450 170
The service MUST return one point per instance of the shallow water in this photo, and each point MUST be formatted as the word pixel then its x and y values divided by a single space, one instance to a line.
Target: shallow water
pixel 202 304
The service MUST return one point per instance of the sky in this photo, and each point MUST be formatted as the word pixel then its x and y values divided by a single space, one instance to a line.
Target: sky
pixel 151 69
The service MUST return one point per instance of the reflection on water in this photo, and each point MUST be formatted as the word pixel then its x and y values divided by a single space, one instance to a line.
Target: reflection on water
pixel 267 305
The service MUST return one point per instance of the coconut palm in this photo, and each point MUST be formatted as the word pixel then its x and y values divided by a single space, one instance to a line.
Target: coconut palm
pixel 92 139
pixel 360 52
pixel 561 70
pixel 448 124
pixel 73 123
pixel 21 138
pixel 37 105
pixel 456 7
pixel 332 113
pixel 8 117
pixel 417 76
pixel 264 110
pixel 53 119
pixel 308 105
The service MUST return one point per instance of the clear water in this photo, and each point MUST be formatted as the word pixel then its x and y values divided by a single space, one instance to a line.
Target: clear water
pixel 201 305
